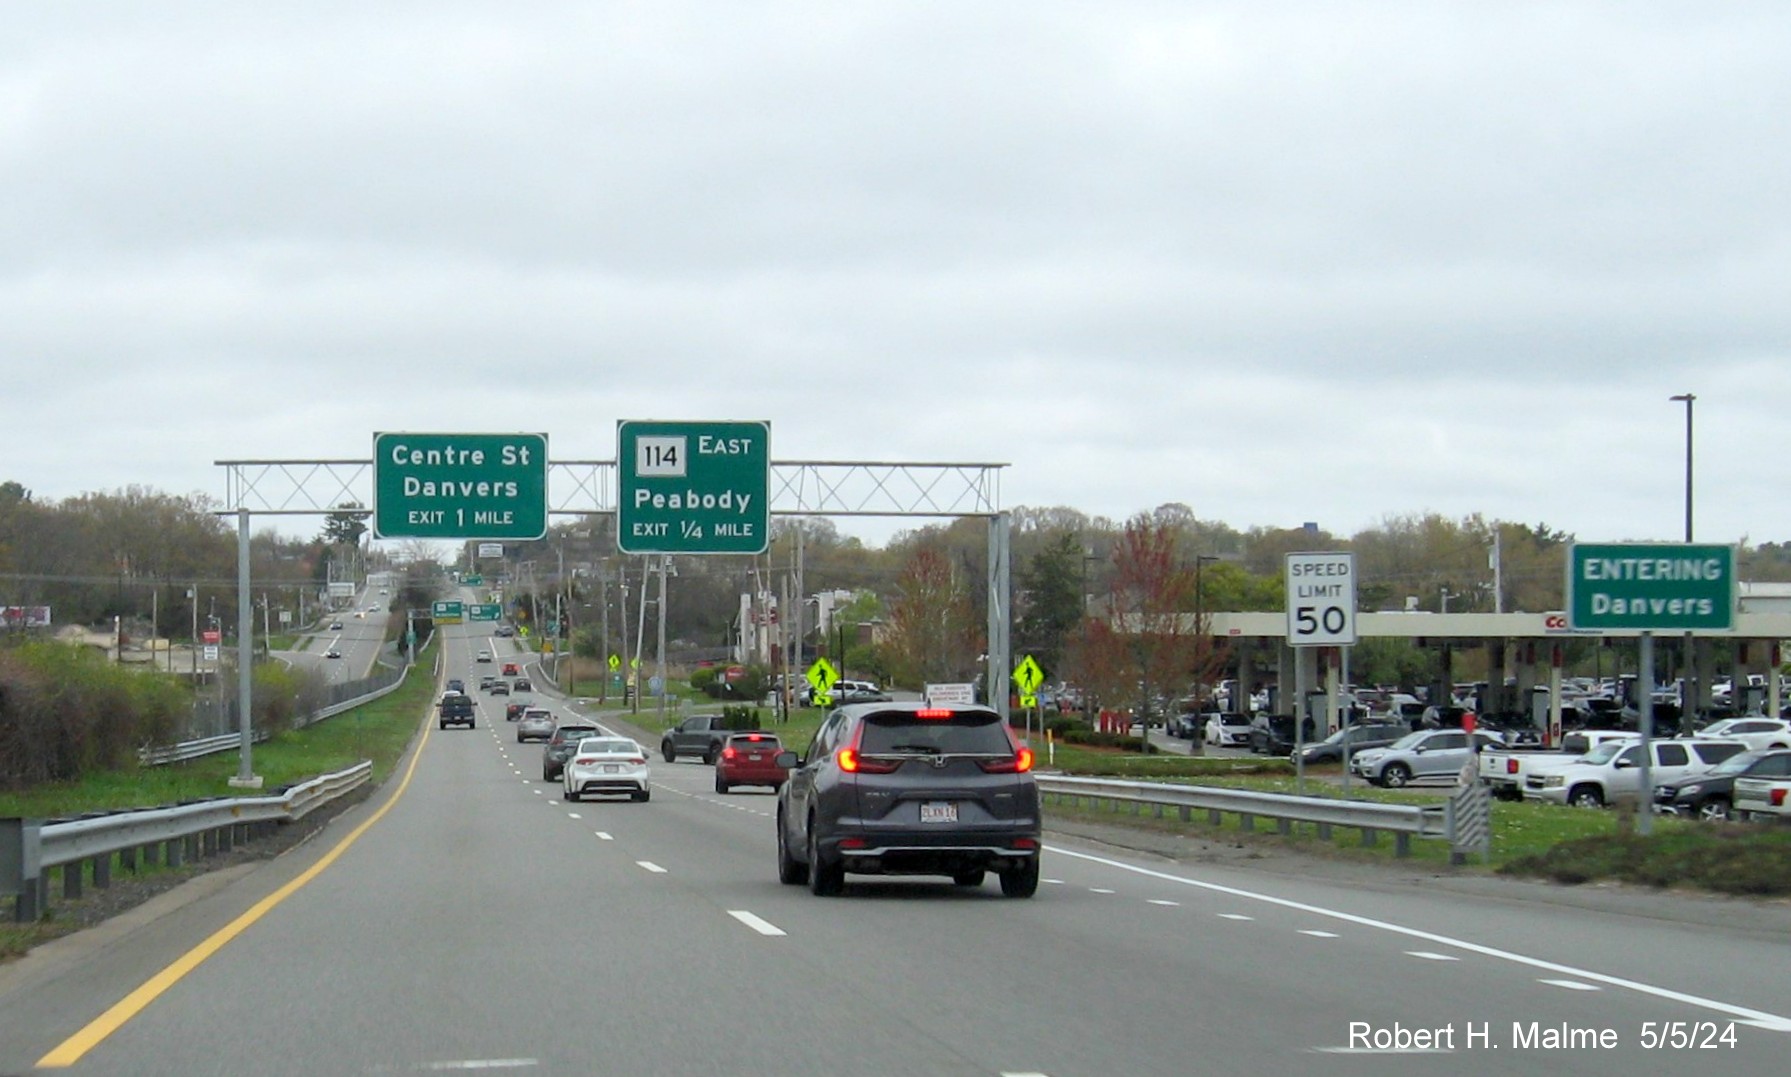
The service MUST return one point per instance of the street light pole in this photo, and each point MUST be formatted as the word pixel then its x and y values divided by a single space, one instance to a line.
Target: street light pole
pixel 1687 674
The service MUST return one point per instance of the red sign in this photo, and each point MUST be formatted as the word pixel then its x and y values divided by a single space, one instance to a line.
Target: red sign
pixel 211 635
pixel 733 673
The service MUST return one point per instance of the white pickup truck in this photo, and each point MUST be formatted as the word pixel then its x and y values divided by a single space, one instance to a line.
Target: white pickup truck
pixel 1503 768
pixel 1614 769
pixel 1761 798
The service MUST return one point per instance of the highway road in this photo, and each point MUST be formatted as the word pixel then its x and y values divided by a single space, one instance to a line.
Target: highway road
pixel 358 640
pixel 467 919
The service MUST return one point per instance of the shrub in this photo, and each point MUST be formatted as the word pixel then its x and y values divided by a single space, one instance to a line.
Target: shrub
pixel 741 717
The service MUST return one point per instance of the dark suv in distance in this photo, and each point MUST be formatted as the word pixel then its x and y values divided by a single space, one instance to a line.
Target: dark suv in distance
pixel 908 789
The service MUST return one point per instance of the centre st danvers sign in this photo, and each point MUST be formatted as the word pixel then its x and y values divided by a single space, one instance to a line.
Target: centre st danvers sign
pixel 460 486
pixel 1656 587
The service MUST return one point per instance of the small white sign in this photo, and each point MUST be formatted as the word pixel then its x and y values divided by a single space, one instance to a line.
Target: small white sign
pixel 661 457
pixel 285 617
pixel 940 695
pixel 491 549
pixel 211 652
pixel 1321 600
pixel 341 589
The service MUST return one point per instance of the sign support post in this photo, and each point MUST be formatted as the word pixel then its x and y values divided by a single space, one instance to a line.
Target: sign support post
pixel 1321 612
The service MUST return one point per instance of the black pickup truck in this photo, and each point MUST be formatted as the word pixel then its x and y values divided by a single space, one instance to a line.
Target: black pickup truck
pixel 456 708
pixel 700 735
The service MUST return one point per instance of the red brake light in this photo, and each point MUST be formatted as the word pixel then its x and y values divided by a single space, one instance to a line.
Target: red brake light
pixel 852 762
pixel 1019 763
pixel 584 762
pixel 728 752
pixel 1778 798
pixel 1511 766
pixel 848 760
pixel 932 712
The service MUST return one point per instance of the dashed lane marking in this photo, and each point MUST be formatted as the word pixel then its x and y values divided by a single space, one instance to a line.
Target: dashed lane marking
pixel 1571 985
pixel 761 926
pixel 650 866
pixel 1428 956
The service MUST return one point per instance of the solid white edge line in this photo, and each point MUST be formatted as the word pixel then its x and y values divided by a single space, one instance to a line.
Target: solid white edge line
pixel 1571 985
pixel 761 926
pixel 1777 1022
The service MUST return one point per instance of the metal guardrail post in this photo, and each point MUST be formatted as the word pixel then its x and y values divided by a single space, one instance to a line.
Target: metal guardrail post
pixel 19 866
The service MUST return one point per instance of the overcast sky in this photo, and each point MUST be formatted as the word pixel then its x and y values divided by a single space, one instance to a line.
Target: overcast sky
pixel 1279 261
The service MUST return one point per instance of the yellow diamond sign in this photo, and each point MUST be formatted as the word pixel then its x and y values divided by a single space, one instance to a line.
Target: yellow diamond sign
pixel 822 677
pixel 1028 676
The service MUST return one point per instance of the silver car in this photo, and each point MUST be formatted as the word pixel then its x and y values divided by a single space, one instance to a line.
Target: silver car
pixel 1428 753
pixel 536 723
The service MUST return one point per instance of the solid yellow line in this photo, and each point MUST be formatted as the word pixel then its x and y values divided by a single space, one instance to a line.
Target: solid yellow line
pixel 72 1049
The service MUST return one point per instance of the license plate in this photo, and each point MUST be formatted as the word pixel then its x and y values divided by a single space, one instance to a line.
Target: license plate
pixel 754 757
pixel 939 811
pixel 612 768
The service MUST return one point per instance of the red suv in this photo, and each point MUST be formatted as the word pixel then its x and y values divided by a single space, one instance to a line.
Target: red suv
pixel 749 759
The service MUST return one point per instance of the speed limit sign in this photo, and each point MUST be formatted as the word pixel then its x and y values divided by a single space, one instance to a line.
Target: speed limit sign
pixel 1321 600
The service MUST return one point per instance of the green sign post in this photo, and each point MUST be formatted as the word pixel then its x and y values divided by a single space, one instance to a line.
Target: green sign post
pixel 1658 587
pixel 693 488
pixel 460 486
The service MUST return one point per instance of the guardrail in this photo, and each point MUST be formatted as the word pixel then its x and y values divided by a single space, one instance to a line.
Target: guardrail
pixel 1403 821
pixel 84 848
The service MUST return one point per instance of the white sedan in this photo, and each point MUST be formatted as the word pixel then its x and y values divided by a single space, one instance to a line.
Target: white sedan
pixel 607 765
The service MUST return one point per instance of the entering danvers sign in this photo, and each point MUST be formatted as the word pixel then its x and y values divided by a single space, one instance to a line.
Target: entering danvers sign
pixel 1663 587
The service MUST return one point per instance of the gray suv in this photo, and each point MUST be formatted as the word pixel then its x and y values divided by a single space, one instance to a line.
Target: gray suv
pixel 908 789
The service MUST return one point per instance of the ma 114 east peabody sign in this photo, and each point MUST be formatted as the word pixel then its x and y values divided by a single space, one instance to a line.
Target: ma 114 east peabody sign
pixel 693 487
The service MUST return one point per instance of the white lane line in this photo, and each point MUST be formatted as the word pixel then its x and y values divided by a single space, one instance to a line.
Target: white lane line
pixel 1169 904
pixel 1022 1073
pixel 1428 956
pixel 1571 985
pixel 603 835
pixel 1321 934
pixel 1776 1022
pixel 650 866
pixel 1052 882
pixel 761 926
pixel 1101 890
pixel 481 1064
pixel 1235 916
pixel 573 815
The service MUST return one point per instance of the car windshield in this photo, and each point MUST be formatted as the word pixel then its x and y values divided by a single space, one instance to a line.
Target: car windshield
pixel 1234 719
pixel 565 733
pixel 1717 729
pixel 1411 740
pixel 1735 764
pixel 964 732
pixel 1605 752
pixel 607 746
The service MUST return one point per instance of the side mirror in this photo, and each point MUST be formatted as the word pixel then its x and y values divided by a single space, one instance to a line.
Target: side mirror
pixel 788 760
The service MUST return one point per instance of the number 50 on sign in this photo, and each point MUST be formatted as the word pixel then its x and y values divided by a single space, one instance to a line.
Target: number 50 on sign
pixel 1321 599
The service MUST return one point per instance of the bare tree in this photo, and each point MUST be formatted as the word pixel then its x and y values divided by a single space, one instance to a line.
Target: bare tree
pixel 933 634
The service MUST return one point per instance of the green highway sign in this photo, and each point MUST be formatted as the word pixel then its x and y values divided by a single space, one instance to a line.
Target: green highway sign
pixel 447 613
pixel 1654 587
pixel 472 581
pixel 460 486
pixel 484 611
pixel 695 487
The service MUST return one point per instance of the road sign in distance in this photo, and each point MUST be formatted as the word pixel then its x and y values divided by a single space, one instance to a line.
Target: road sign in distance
pixel 491 549
pixel 460 486
pixel 1321 599
pixel 1651 587
pixel 447 613
pixel 693 487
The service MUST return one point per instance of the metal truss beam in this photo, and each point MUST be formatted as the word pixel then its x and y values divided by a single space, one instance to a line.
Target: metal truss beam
pixel 583 487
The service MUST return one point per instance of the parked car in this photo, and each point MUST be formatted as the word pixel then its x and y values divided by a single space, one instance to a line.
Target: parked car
pixel 1709 796
pixel 600 765
pixel 1228 729
pixel 1273 734
pixel 1354 738
pixel 749 759
pixel 562 744
pixel 1428 753
pixel 1615 768
pixel 1757 733
pixel 536 723
pixel 910 789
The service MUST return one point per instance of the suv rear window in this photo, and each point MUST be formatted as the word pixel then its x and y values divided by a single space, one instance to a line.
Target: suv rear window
pixel 574 732
pixel 965 732
pixel 755 740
